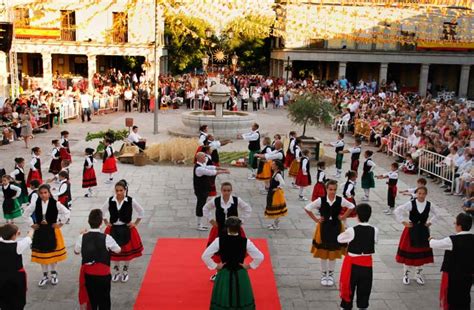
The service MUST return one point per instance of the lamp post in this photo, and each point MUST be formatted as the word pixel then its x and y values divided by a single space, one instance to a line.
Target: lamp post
pixel 234 61
pixel 157 64
pixel 287 68
pixel 205 62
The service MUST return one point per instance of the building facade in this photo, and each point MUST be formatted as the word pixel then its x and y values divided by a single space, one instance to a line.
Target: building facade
pixel 80 38
pixel 421 47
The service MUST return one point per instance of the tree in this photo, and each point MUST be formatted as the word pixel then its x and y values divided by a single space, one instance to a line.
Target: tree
pixel 310 109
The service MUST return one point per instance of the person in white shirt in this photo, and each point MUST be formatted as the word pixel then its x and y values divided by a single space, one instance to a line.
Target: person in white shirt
pixel 392 190
pixel 86 101
pixel 136 139
pixel 254 148
pixel 128 97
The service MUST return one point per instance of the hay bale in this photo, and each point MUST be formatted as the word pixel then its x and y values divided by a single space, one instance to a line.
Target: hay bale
pixel 174 150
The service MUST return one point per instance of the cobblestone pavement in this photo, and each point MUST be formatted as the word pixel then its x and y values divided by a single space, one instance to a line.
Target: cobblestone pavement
pixel 166 193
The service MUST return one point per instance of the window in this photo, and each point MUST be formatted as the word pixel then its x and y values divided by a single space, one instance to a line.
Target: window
pixel 22 17
pixel 450 31
pixel 120 27
pixel 68 25
pixel 316 43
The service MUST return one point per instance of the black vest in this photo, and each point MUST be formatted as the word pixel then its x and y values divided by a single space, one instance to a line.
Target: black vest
pixel 67 193
pixel 330 212
pixel 307 165
pixel 392 182
pixel 232 250
pixel 91 158
pixel 31 195
pixel 56 153
pixel 201 184
pixel 460 259
pixel 264 150
pixel 215 156
pixel 105 156
pixel 51 212
pixel 65 144
pixel 94 249
pixel 346 186
pixel 317 176
pixel 355 156
pixel 20 176
pixel 291 151
pixel 220 215
pixel 366 168
pixel 255 145
pixel 37 164
pixel 10 261
pixel 339 148
pixel 8 193
pixel 125 212
pixel 206 141
pixel 364 240
pixel 274 183
pixel 417 217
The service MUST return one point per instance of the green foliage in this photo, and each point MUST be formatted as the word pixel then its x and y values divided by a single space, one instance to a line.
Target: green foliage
pixel 310 109
pixel 114 135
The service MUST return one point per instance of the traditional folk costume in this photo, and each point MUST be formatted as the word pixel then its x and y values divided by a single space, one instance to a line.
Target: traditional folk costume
pixel 48 242
pixel 109 162
pixel 64 193
pixel 94 277
pixel 13 279
pixel 290 153
pixel 303 178
pixel 35 171
pixel 348 193
pixel 319 189
pixel 127 238
pixel 19 176
pixel 55 165
pixel 367 179
pixel 203 141
pixel 88 173
pixel 392 188
pixel 276 204
pixel 202 187
pixel 355 156
pixel 212 179
pixel 356 270
pixel 295 164
pixel 264 170
pixel 409 167
pixel 254 148
pixel 234 207
pixel 65 152
pixel 414 249
pixel 11 206
pixel 457 270
pixel 232 288
pixel 338 148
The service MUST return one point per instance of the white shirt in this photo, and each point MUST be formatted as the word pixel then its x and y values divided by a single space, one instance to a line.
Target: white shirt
pixel 304 162
pixel 322 176
pixel 110 243
pixel 445 243
pixel 89 162
pixel 63 212
pixel 355 150
pixel 280 179
pixel 349 234
pixel 109 150
pixel 33 162
pixel 137 208
pixel 213 248
pixel 316 205
pixel 62 188
pixel 85 101
pixel 291 147
pixel 17 189
pixel 16 171
pixel 402 212
pixel 128 95
pixel 215 145
pixel 244 209
pixel 371 164
pixel 349 189
pixel 203 169
pixel 338 143
pixel 21 245
pixel 275 154
pixel 202 137
pixel 55 153
pixel 134 137
pixel 391 175
pixel 34 197
pixel 251 136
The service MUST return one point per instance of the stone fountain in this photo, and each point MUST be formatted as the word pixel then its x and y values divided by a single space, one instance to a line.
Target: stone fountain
pixel 223 124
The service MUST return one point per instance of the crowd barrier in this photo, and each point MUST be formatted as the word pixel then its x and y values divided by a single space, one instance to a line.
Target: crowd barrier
pixel 398 145
pixel 437 165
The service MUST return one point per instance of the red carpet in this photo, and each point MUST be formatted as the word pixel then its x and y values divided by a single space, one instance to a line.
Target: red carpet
pixel 177 278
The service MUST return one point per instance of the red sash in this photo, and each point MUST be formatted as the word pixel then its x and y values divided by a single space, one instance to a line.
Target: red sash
pixel 346 269
pixel 97 269
pixel 443 292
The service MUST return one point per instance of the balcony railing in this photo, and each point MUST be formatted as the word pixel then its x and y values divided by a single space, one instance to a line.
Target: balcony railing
pixel 119 36
pixel 68 34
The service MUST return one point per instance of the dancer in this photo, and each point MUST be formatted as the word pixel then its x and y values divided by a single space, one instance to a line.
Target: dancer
pixel 367 179
pixel 276 138
pixel 203 135
pixel 109 165
pixel 11 206
pixel 355 154
pixel 55 165
pixel 276 204
pixel 18 175
pixel 392 177
pixel 421 182
pixel 356 270
pixel 232 288
pixel 303 179
pixel 290 152
pixel 264 170
pixel 35 167
pixel 64 191
pixel 276 154
pixel 121 208
pixel 89 179
pixel 13 279
pixel 254 147
pixel 206 149
pixel 458 265
pixel 202 185
pixel 64 146
pixel 48 246
pixel 94 278
pixel 33 196
pixel 64 167
pixel 339 149
pixel 215 145
pixel 319 189
pixel 349 191
pixel 295 164
pixel 413 250
pixel 328 226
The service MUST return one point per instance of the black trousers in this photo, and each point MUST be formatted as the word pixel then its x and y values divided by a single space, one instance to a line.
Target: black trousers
pixel 128 105
pixel 361 285
pixel 201 201
pixel 86 112
pixel 98 289
pixel 13 291
pixel 459 291
pixel 141 145
pixel 391 195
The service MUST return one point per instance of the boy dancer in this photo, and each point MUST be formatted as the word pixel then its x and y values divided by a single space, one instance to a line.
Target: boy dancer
pixel 392 177
pixel 339 149
pixel 253 138
pixel 355 154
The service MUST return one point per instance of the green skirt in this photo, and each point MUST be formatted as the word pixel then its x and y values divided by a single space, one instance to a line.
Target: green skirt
pixel 368 180
pixel 232 290
pixel 339 158
pixel 253 160
pixel 23 199
pixel 16 212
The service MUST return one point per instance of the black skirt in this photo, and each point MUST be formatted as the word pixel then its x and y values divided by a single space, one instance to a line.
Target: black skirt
pixel 419 235
pixel 330 229
pixel 44 239
pixel 120 233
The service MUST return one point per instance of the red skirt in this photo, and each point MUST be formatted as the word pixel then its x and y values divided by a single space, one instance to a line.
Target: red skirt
pixel 88 178
pixel 109 165
pixel 353 212
pixel 64 200
pixel 319 190
pixel 55 166
pixel 132 249
pixel 64 154
pixel 302 180
pixel 289 159
pixel 34 175
pixel 411 256
pixel 355 165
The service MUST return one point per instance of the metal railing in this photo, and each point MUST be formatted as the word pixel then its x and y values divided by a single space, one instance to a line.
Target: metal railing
pixel 437 165
pixel 398 145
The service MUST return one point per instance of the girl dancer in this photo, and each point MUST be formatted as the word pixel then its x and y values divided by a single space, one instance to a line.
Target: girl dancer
pixel 11 205
pixel 290 152
pixel 303 179
pixel 18 175
pixel 319 189
pixel 35 167
pixel 64 144
pixel 349 191
pixel 109 162
pixel 276 204
pixel 120 226
pixel 55 165
pixel 64 191
pixel 295 164
pixel 89 179
pixel 367 179
pixel 264 169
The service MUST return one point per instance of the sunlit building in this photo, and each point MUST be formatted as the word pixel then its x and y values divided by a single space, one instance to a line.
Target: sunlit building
pixel 421 45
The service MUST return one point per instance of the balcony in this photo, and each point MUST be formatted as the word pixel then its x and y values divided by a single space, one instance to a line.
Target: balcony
pixel 68 34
